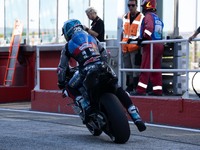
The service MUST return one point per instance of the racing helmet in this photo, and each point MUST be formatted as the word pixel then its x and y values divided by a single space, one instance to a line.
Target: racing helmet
pixel 69 28
pixel 149 5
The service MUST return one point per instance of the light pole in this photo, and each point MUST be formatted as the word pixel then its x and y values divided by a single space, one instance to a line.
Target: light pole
pixel 195 43
pixel 176 9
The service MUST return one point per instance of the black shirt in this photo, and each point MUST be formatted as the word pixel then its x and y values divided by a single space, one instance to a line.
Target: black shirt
pixel 132 18
pixel 98 26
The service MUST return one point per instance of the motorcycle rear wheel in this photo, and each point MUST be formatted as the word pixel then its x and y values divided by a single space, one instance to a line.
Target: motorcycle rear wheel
pixel 118 126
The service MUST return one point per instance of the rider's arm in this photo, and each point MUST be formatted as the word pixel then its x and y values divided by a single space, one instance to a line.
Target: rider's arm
pixel 102 51
pixel 63 66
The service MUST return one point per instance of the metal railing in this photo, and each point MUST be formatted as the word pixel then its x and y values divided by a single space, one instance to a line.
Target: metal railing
pixel 122 70
pixel 186 70
pixel 38 68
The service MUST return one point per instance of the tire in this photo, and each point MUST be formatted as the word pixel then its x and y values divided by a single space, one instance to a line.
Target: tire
pixel 118 125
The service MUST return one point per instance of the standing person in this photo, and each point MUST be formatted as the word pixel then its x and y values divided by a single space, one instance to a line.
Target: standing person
pixel 151 29
pixel 131 52
pixel 97 27
pixel 83 48
pixel 194 35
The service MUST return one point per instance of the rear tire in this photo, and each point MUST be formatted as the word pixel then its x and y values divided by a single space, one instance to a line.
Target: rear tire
pixel 118 125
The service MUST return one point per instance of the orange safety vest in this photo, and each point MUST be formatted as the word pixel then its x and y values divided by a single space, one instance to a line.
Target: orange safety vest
pixel 131 31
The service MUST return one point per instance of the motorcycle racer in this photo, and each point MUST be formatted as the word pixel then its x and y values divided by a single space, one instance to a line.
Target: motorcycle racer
pixel 86 50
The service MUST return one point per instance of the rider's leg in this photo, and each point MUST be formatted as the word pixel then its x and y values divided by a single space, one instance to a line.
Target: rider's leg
pixel 132 110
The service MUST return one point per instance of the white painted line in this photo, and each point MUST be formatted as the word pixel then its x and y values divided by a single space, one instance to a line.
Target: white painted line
pixel 173 127
pixel 70 115
pixel 37 112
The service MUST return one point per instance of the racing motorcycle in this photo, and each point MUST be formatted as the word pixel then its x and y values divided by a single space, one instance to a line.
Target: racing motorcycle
pixel 105 113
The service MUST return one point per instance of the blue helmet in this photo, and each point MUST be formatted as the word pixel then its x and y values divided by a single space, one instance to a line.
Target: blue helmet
pixel 69 28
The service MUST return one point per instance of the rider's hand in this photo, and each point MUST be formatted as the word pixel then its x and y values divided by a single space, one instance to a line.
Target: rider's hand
pixel 70 72
pixel 61 85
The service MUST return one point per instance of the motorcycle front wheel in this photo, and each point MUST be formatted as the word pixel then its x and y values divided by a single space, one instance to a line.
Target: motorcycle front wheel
pixel 118 126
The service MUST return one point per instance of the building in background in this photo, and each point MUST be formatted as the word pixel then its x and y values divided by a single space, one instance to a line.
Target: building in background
pixel 43 19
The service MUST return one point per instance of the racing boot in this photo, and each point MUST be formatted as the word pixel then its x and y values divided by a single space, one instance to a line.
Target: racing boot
pixel 86 109
pixel 133 112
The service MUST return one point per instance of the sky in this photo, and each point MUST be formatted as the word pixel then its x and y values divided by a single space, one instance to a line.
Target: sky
pixel 188 14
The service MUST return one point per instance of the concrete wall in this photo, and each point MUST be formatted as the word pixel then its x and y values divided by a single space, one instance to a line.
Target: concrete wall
pixel 173 111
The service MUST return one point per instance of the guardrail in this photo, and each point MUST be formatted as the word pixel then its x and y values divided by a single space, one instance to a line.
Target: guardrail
pixel 38 68
pixel 121 70
pixel 186 70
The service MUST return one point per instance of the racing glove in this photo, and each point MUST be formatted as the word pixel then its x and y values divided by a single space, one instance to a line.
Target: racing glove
pixel 61 85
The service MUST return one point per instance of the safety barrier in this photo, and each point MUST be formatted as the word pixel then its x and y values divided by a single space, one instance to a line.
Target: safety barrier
pixel 122 70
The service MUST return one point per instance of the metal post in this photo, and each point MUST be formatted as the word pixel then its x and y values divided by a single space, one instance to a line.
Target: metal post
pixel 103 9
pixel 159 9
pixel 57 21
pixel 119 66
pixel 195 43
pixel 187 73
pixel 5 20
pixel 176 8
pixel 121 10
pixel 151 56
pixel 186 94
pixel 27 28
pixel 37 87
